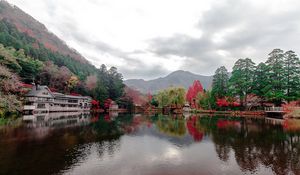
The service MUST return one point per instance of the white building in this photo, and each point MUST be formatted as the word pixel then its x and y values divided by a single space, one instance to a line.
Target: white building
pixel 41 100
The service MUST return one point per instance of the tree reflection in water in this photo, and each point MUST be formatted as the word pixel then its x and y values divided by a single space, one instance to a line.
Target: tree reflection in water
pixel 172 126
pixel 255 143
pixel 59 144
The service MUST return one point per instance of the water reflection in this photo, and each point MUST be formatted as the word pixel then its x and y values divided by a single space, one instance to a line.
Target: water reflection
pixel 82 143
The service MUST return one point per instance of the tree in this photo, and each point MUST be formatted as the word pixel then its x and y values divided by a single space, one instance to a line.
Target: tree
pixel 115 85
pixel 276 78
pixel 241 81
pixel 260 81
pixel 171 96
pixel 9 87
pixel 206 100
pixel 91 82
pixel 136 96
pixel 72 82
pixel 291 76
pixel 193 92
pixel 220 82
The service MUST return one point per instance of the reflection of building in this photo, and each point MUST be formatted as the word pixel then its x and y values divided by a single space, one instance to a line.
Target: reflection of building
pixel 57 119
pixel 41 100
pixel 113 106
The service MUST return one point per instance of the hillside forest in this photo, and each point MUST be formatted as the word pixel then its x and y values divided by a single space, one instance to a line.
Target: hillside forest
pixel 24 60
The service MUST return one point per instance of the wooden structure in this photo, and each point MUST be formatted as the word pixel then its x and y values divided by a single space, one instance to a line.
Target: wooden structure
pixel 40 99
pixel 274 112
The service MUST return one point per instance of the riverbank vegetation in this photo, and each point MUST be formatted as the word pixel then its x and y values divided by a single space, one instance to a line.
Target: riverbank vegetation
pixel 248 87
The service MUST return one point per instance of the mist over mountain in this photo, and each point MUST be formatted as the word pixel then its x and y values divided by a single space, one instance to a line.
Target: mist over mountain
pixel 178 78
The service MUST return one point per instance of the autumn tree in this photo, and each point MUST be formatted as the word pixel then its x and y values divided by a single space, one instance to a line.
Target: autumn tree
pixel 136 96
pixel 193 92
pixel 9 87
pixel 91 82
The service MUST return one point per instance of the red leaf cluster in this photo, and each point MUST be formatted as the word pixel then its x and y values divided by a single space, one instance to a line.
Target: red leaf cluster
pixel 290 107
pixel 223 102
pixel 193 92
pixel 95 104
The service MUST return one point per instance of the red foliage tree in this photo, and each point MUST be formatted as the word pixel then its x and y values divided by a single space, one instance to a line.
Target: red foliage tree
pixel 107 103
pixel 290 107
pixel 95 104
pixel 135 95
pixel 193 92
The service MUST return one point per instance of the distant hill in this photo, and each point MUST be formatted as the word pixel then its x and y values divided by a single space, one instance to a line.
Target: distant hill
pixel 27 24
pixel 176 79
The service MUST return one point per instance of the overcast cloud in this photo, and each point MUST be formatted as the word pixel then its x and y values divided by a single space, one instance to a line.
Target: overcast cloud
pixel 148 39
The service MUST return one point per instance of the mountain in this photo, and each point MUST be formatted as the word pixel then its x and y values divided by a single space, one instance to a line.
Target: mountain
pixel 178 78
pixel 25 34
pixel 28 25
pixel 29 53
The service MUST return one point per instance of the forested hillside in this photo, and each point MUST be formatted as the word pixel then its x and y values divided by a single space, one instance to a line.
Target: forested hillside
pixel 24 59
pixel 27 24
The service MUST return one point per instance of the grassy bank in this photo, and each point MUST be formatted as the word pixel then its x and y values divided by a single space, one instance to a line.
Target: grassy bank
pixel 9 118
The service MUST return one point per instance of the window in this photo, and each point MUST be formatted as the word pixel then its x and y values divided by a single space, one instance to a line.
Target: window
pixel 29 103
pixel 41 105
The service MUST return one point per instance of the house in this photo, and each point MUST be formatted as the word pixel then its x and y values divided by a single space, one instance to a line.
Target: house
pixel 40 99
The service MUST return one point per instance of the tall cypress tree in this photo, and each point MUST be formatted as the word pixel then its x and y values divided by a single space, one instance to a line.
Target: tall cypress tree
pixel 291 76
pixel 220 82
pixel 260 80
pixel 241 81
pixel 276 78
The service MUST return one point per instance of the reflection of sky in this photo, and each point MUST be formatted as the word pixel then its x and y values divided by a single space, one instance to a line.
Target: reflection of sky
pixel 147 154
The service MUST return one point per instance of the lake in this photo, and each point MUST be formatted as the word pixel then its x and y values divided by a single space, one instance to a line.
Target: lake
pixel 115 144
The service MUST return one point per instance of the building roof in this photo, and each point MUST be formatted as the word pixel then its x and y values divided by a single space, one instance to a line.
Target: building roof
pixel 36 92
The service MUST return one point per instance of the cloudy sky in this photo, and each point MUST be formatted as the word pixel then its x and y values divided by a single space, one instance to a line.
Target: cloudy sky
pixel 151 38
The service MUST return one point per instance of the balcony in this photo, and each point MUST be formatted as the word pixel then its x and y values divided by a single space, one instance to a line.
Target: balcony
pixel 29 107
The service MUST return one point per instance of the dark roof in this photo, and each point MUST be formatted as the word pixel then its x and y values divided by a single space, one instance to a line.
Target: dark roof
pixel 34 92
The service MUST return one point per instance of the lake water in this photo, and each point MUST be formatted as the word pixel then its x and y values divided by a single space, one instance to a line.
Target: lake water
pixel 115 144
